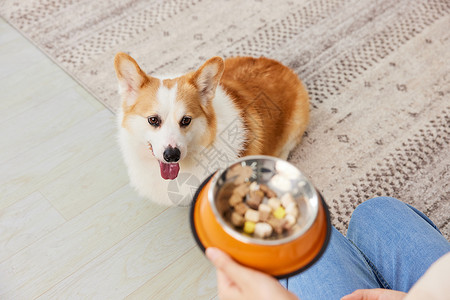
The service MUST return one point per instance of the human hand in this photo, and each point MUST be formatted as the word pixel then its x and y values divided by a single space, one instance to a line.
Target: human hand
pixel 375 294
pixel 238 282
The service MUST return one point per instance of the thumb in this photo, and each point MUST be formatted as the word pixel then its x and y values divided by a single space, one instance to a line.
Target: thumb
pixel 228 266
pixel 375 294
pixel 353 296
pixel 360 295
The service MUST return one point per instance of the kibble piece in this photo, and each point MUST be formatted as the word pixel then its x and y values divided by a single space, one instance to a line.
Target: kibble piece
pixel 264 212
pixel 277 224
pixel 252 215
pixel 263 230
pixel 274 203
pixel 255 198
pixel 241 208
pixel 292 209
pixel 279 213
pixel 234 200
pixel 254 209
pixel 237 220
pixel 290 221
pixel 249 227
pixel 287 199
pixel 254 186
pixel 269 193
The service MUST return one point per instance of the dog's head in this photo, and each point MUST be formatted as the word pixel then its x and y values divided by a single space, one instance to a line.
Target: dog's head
pixel 171 118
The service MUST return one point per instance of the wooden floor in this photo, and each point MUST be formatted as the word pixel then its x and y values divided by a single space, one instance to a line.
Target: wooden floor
pixel 70 225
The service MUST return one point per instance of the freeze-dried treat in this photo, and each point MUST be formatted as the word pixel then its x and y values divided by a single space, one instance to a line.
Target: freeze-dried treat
pixel 286 199
pixel 237 219
pixel 255 209
pixel 263 230
pixel 269 193
pixel 242 190
pixel 241 208
pixel 291 209
pixel 252 215
pixel 279 213
pixel 274 203
pixel 264 212
pixel 277 224
pixel 254 186
pixel 249 227
pixel 290 221
pixel 235 200
pixel 254 198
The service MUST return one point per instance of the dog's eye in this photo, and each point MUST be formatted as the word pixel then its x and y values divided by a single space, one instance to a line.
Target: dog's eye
pixel 185 121
pixel 154 121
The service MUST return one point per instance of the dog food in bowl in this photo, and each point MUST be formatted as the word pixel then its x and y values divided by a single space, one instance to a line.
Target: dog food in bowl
pixel 254 209
pixel 214 211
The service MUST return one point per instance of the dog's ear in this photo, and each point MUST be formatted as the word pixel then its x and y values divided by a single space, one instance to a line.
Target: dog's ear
pixel 208 77
pixel 130 76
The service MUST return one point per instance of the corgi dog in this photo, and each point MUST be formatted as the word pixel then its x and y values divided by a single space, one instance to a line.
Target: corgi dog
pixel 175 131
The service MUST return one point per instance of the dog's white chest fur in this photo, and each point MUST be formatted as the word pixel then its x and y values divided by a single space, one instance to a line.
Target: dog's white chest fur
pixel 199 163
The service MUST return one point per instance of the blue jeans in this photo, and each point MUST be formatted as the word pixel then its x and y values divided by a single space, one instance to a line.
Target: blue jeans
pixel 389 244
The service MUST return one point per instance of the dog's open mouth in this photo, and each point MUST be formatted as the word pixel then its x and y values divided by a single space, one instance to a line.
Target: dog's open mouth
pixel 169 171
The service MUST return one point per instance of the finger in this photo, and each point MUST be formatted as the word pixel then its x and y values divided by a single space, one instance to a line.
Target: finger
pixel 374 294
pixel 366 294
pixel 227 265
pixel 353 296
pixel 358 295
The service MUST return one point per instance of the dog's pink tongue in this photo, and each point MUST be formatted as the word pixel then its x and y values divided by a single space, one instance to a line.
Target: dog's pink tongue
pixel 169 171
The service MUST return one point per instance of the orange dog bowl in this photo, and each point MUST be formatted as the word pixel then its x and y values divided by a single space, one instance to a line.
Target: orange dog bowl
pixel 281 257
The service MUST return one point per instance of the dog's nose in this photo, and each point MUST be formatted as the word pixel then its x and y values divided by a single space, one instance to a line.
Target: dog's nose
pixel 171 154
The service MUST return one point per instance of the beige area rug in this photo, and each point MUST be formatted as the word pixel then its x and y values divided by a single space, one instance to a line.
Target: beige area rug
pixel 378 73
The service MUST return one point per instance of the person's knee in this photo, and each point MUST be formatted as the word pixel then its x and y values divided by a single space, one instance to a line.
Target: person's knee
pixel 374 206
